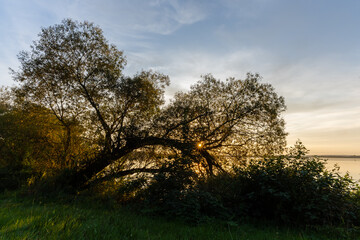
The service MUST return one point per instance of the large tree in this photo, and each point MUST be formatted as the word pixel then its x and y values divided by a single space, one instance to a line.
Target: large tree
pixel 76 74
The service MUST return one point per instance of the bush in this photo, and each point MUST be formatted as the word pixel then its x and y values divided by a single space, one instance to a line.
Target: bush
pixel 292 188
pixel 174 192
pixel 13 177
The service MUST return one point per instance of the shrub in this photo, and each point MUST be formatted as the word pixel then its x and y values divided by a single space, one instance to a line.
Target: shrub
pixel 292 188
pixel 174 192
pixel 13 177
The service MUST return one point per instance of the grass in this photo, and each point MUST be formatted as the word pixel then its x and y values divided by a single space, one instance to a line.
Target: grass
pixel 27 218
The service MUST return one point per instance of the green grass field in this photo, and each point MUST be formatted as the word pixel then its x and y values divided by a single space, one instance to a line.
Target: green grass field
pixel 26 218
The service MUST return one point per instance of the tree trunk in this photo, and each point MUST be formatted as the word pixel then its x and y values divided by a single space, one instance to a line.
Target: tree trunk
pixel 105 159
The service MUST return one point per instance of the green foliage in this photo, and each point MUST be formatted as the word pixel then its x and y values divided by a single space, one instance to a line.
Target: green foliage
pixel 12 178
pixel 33 145
pixel 52 184
pixel 290 189
pixel 173 193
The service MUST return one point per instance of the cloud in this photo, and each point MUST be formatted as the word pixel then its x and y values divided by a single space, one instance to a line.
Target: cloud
pixel 131 17
pixel 182 12
pixel 245 9
pixel 320 81
pixel 306 84
pixel 185 67
pixel 130 24
pixel 323 97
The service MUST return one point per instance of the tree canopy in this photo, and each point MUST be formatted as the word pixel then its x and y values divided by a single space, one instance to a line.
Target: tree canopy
pixel 74 74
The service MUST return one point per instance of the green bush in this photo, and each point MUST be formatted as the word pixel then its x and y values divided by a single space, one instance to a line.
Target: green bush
pixel 292 189
pixel 13 177
pixel 174 193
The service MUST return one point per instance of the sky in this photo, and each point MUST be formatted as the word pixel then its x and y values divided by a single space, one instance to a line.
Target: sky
pixel 308 50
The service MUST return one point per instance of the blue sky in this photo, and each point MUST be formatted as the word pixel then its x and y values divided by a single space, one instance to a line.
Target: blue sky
pixel 308 50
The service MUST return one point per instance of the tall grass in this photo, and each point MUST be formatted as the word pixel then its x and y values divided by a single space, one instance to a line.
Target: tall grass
pixel 27 218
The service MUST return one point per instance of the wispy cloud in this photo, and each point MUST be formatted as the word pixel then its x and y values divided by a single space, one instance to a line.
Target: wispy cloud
pixel 128 23
pixel 132 16
pixel 185 67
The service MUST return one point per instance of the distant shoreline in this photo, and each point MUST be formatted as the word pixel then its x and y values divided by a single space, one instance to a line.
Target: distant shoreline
pixel 336 156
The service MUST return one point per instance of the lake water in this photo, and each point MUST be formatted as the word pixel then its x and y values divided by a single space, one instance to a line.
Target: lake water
pixel 351 165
